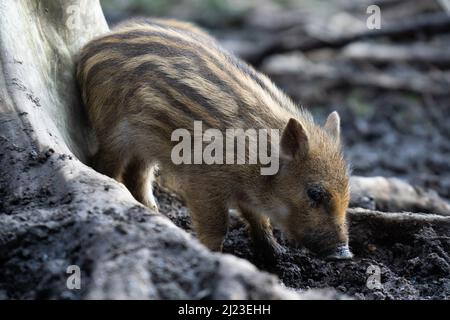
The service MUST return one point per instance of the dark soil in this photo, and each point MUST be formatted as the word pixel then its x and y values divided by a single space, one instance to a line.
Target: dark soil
pixel 413 263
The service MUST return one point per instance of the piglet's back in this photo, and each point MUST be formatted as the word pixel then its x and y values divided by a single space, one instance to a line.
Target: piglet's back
pixel 164 74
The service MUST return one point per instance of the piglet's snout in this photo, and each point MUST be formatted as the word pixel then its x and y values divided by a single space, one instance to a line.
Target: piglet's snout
pixel 340 253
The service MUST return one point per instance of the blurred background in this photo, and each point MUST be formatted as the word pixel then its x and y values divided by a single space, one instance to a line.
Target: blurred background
pixel 391 86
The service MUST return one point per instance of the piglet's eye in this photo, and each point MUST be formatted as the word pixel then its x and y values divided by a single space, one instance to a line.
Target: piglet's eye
pixel 317 194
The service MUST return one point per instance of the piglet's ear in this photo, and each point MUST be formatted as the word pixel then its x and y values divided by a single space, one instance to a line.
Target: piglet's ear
pixel 294 141
pixel 333 125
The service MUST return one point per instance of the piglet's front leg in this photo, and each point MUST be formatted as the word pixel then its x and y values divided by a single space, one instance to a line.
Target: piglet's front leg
pixel 260 229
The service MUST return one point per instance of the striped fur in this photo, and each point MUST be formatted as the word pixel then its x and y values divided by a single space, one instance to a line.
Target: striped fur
pixel 149 77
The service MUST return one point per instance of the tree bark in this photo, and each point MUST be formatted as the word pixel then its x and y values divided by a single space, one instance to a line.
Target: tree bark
pixel 394 195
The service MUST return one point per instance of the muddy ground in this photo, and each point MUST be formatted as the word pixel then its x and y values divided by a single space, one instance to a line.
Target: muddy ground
pixel 413 263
